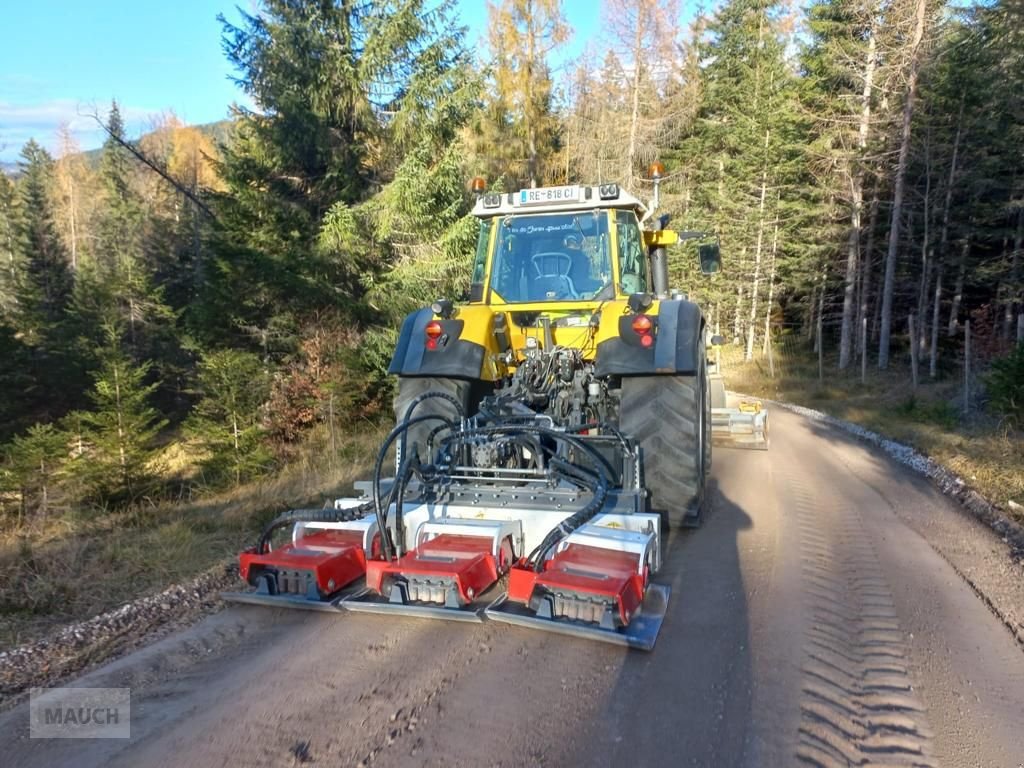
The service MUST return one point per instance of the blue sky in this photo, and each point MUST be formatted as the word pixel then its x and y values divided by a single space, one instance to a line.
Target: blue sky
pixel 61 60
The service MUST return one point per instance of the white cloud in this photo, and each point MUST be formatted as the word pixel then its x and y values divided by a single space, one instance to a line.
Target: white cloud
pixel 21 122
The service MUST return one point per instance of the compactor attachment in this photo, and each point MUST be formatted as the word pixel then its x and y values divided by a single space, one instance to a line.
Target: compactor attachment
pixel 453 564
pixel 744 425
pixel 324 562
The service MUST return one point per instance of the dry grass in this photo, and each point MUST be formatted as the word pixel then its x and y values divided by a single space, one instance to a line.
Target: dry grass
pixel 987 454
pixel 73 567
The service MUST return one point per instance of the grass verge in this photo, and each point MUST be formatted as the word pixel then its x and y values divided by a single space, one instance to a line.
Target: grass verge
pixel 64 569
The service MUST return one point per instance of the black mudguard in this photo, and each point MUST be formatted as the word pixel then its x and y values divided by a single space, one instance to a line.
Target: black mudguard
pixel 455 358
pixel 676 348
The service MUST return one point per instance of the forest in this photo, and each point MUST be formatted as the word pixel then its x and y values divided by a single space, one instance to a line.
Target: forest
pixel 186 309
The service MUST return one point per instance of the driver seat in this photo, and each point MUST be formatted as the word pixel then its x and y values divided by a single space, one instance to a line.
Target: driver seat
pixel 552 279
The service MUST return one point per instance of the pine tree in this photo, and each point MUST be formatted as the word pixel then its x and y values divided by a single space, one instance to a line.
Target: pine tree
pixel 10 218
pixel 44 280
pixel 742 146
pixel 35 467
pixel 122 425
pixel 839 84
pixel 116 288
pixel 340 87
pixel 227 420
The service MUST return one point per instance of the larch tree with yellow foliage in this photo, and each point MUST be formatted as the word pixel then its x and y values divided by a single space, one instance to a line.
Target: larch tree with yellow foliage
pixel 520 136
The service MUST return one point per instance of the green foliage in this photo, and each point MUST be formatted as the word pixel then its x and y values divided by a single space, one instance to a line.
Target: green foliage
pixel 44 279
pixel 1005 386
pixel 121 428
pixel 938 412
pixel 17 383
pixel 423 218
pixel 325 75
pixel 10 223
pixel 34 468
pixel 227 421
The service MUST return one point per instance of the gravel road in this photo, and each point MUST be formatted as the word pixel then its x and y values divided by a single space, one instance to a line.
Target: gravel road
pixel 834 610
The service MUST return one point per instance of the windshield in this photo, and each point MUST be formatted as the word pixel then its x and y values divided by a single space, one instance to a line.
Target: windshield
pixel 552 257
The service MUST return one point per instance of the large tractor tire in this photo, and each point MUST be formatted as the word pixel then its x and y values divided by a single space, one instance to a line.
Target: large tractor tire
pixel 409 388
pixel 668 417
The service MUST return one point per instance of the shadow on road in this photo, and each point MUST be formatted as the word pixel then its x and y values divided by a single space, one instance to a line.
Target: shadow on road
pixel 688 701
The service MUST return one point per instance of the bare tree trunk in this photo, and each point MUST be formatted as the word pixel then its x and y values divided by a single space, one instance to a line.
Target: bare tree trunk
pixel 771 287
pixel 812 309
pixel 912 330
pixel 531 128
pixel 737 320
pixel 967 367
pixel 1013 294
pixel 752 326
pixel 867 262
pixel 898 191
pixel 926 252
pixel 958 290
pixel 934 351
pixel 857 204
pixel 820 313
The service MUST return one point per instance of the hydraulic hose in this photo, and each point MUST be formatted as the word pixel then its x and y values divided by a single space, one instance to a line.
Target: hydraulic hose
pixel 380 510
pixel 596 481
pixel 292 516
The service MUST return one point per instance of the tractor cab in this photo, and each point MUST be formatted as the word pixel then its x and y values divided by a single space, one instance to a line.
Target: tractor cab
pixel 559 244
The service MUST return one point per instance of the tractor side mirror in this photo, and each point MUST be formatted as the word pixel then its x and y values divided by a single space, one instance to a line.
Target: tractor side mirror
pixel 717 341
pixel 710 258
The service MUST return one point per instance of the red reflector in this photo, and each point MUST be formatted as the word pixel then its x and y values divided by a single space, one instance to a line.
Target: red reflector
pixel 433 329
pixel 642 324
pixel 431 344
pixel 646 340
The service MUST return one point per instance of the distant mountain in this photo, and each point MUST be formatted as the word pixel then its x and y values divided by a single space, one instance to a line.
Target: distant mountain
pixel 219 131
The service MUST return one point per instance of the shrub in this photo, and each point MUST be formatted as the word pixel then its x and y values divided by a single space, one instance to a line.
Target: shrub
pixel 1005 385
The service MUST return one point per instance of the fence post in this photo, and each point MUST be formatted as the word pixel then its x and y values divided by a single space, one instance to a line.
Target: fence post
pixel 967 367
pixel 1020 328
pixel 913 349
pixel 821 369
pixel 864 350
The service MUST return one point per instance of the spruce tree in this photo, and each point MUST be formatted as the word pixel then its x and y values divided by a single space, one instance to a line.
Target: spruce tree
pixel 227 421
pixel 743 159
pixel 343 90
pixel 35 467
pixel 121 426
pixel 10 216
pixel 116 288
pixel 44 280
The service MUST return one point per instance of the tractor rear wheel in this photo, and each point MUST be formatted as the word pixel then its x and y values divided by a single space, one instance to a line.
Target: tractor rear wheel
pixel 668 417
pixel 410 388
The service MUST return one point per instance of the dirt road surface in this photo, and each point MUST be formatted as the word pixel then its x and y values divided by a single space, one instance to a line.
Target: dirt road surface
pixel 828 613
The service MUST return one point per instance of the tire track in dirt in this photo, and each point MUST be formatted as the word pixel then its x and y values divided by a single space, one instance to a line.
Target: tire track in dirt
pixel 858 704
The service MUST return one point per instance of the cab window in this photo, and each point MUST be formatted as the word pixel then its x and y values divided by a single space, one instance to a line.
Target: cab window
pixel 476 289
pixel 552 257
pixel 632 261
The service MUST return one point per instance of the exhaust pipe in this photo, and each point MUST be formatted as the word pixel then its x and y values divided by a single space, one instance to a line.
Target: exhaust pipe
pixel 659 271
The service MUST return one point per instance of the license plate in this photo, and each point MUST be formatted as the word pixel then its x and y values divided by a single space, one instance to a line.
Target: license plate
pixel 548 195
